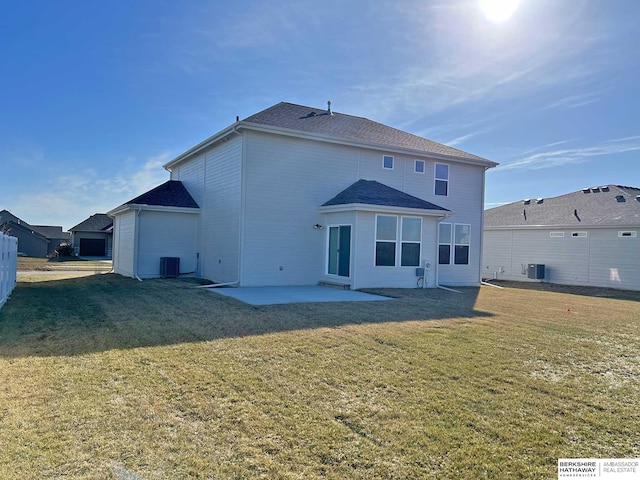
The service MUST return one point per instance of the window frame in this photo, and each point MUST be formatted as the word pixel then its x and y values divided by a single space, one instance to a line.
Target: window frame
pixel 456 244
pixel 393 162
pixel 415 166
pixel 437 179
pixel 579 234
pixel 412 242
pixel 377 241
pixel 448 244
pixel 627 234
pixel 556 234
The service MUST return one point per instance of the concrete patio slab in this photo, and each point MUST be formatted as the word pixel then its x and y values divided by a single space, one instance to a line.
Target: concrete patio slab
pixel 305 294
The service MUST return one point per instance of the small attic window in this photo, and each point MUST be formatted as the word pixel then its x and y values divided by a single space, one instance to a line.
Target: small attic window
pixel 387 162
pixel 620 198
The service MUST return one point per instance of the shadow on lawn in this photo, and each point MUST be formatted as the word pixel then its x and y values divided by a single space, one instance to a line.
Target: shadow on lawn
pixel 105 312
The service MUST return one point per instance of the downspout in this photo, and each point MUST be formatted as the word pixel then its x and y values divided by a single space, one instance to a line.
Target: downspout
pixel 484 174
pixel 136 246
pixel 242 203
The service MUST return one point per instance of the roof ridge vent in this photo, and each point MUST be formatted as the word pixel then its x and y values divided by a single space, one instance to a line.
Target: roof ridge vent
pixel 329 111
pixel 526 201
pixel 604 188
pixel 539 200
pixel 586 190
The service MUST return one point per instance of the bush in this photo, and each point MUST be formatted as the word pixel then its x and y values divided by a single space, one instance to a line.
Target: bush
pixel 64 250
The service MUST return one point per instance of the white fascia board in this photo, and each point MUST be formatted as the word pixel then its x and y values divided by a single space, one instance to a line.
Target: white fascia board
pixel 151 208
pixel 560 227
pixel 202 145
pixel 373 146
pixel 365 207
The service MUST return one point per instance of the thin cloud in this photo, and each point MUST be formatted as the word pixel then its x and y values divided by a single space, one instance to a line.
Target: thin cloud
pixel 72 198
pixel 555 158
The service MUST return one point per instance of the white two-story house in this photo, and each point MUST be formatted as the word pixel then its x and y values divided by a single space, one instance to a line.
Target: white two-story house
pixel 295 195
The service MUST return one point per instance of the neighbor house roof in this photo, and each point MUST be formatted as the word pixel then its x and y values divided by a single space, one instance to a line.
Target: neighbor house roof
pixel 51 231
pixel 45 231
pixel 613 205
pixel 98 222
pixel 289 118
pixel 370 192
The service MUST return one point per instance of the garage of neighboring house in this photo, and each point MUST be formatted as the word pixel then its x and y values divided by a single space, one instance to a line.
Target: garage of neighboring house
pixel 93 236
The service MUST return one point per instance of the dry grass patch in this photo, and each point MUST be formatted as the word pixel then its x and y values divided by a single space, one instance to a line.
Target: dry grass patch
pixel 103 375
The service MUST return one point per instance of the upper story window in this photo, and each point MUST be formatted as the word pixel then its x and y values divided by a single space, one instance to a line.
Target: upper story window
pixel 441 179
pixel 387 162
pixel 419 166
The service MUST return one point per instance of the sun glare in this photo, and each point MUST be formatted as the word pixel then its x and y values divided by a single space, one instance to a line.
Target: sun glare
pixel 498 10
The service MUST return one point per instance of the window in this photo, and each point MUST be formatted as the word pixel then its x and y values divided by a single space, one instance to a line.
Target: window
pixel 386 238
pixel 441 179
pixel 419 166
pixel 578 234
pixel 387 162
pixel 556 234
pixel 628 234
pixel 462 240
pixel 411 238
pixel 444 244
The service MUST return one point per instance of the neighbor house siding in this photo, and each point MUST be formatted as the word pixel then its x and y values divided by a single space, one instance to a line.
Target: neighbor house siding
pixel 124 240
pixel 600 259
pixel 156 241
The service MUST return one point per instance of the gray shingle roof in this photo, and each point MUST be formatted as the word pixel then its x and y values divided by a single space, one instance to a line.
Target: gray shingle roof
pixel 370 192
pixel 593 206
pixel 99 222
pixel 350 128
pixel 169 194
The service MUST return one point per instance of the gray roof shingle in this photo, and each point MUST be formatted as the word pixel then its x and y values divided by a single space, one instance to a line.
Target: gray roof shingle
pixel 351 128
pixel 169 194
pixel 370 192
pixel 607 205
pixel 98 222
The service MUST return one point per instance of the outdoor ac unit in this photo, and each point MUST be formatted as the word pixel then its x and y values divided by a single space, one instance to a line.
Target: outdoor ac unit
pixel 535 271
pixel 169 267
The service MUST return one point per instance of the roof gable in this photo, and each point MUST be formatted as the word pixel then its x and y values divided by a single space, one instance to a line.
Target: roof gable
pixel 351 128
pixel 169 194
pixel 598 206
pixel 370 192
pixel 98 222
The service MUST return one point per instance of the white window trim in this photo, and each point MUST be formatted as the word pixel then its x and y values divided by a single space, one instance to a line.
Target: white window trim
pixel 435 178
pixel 580 234
pixel 393 162
pixel 419 242
pixel 556 234
pixel 453 241
pixel 375 243
pixel 443 243
pixel 415 166
pixel 628 234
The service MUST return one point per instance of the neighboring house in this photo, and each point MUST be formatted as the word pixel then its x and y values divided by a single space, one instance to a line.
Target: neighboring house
pixel 588 237
pixel 33 240
pixel 93 237
pixel 295 195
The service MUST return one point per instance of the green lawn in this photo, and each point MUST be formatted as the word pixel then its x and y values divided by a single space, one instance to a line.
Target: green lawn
pixel 107 377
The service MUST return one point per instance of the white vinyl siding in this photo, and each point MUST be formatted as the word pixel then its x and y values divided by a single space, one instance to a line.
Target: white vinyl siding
pixel 601 258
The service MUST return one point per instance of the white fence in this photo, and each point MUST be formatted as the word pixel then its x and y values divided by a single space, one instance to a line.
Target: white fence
pixel 8 266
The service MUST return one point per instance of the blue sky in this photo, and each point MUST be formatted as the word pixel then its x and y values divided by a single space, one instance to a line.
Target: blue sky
pixel 96 96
